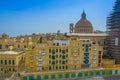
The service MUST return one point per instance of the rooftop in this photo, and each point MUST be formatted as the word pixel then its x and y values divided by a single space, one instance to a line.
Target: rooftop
pixel 87 34
pixel 9 52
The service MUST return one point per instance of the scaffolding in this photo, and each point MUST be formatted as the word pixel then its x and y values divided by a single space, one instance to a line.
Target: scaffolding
pixel 113 29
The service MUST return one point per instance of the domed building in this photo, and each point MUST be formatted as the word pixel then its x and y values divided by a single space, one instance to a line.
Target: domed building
pixel 82 26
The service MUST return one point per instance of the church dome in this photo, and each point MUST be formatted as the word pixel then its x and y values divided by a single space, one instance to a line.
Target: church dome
pixel 83 22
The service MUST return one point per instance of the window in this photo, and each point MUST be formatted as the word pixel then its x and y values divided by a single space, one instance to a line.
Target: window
pixel 49 62
pixel 49 50
pixel 1 61
pixel 56 67
pixel 6 46
pixel 63 51
pixel 57 44
pixel 92 74
pixel 38 77
pixel 66 75
pixel 59 50
pixel 25 78
pixel 60 56
pixel 89 48
pixel 9 61
pixel 63 57
pixel 66 67
pixel 103 72
pixel 5 61
pixel 89 44
pixel 1 69
pixel 66 55
pixel 53 76
pixel 18 46
pixel 63 67
pixel 0 46
pixel 73 75
pixel 86 74
pixel 99 52
pixel 80 74
pixel 83 45
pixel 59 67
pixel 116 71
pixel 49 67
pixel 24 46
pixel 56 56
pixel 59 61
pixel 39 58
pixel 99 56
pixel 13 69
pixel 45 77
pixel 98 73
pixel 49 56
pixel 60 76
pixel 110 72
pixel 53 57
pixel 13 62
pixel 9 69
pixel 63 62
pixel 53 51
pixel 66 50
pixel 99 65
pixel 83 49
pixel 56 50
pixel 56 61
pixel 53 62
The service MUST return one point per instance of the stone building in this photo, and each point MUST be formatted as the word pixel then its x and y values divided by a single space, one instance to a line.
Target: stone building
pixel 82 26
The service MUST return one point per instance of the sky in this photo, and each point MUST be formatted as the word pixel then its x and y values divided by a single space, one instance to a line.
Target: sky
pixel 21 17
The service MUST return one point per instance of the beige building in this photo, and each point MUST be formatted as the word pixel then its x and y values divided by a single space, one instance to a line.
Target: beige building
pixel 78 52
pixel 30 62
pixel 11 61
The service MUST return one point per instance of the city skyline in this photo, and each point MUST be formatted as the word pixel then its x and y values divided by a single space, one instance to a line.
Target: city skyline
pixel 43 16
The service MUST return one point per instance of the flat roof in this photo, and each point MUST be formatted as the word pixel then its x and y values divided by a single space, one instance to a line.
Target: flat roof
pixel 87 34
pixel 9 52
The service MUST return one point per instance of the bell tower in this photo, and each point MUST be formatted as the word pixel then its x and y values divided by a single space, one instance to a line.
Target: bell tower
pixel 71 28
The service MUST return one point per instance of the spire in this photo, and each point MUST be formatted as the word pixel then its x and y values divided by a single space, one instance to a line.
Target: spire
pixel 83 15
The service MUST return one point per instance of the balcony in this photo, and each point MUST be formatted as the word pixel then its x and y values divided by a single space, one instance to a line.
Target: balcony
pixel 31 60
pixel 86 54
pixel 43 52
pixel 94 61
pixel 86 61
pixel 40 64
pixel 86 58
pixel 99 56
pixel 40 59
pixel 75 55
pixel 94 57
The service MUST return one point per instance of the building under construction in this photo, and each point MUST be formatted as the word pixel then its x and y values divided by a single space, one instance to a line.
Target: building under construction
pixel 113 29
